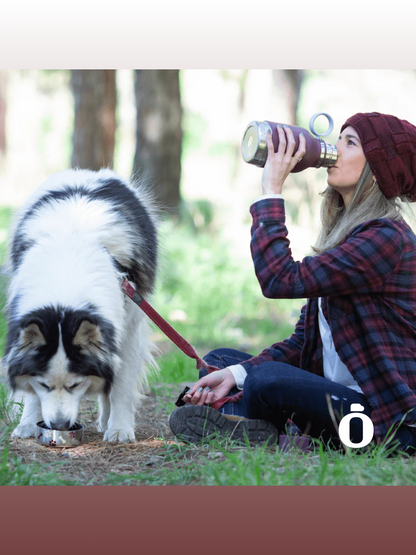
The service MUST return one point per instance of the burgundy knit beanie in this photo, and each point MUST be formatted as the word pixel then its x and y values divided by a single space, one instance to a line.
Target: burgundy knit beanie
pixel 389 145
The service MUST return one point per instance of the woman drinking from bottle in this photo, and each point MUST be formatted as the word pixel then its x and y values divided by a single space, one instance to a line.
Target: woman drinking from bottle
pixel 355 341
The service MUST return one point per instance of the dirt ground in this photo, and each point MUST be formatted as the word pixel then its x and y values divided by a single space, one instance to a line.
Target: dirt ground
pixel 95 459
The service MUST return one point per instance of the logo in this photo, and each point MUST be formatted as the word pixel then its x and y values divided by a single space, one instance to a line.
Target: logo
pixel 344 427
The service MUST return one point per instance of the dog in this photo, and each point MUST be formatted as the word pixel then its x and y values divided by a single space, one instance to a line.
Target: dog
pixel 72 332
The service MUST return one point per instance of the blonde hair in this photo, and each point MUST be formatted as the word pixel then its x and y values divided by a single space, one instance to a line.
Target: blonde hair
pixel 367 203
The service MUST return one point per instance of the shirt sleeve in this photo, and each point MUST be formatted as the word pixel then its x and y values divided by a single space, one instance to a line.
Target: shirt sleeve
pixel 239 373
pixel 361 264
pixel 270 195
pixel 287 351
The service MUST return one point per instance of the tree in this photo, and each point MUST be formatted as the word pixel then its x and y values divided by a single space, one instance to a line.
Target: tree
pixel 95 118
pixel 159 133
pixel 290 82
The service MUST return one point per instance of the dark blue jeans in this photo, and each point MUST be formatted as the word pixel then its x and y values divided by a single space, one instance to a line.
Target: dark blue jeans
pixel 276 392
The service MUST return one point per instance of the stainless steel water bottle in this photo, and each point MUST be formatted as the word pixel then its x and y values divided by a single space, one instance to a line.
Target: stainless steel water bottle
pixel 318 152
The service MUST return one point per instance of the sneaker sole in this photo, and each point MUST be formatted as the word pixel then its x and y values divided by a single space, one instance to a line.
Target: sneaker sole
pixel 194 424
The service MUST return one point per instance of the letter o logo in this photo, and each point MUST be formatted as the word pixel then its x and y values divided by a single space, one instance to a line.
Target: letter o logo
pixel 344 427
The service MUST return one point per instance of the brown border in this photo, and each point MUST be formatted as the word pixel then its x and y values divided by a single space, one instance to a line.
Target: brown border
pixel 202 519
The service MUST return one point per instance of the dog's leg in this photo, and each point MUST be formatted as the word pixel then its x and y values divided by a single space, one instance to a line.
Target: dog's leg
pixel 30 417
pixel 122 401
pixel 104 412
pixel 124 395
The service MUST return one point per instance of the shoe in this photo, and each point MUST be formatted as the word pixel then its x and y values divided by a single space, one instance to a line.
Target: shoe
pixel 194 423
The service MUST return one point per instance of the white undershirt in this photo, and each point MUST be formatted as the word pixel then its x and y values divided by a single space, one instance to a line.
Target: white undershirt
pixel 334 369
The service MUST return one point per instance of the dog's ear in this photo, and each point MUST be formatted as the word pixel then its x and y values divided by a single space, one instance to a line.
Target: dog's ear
pixel 89 337
pixel 31 337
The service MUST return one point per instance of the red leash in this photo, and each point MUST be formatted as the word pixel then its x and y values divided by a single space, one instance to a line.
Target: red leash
pixel 175 337
pixel 285 442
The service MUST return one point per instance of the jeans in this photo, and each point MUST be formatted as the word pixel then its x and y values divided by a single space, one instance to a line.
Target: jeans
pixel 276 392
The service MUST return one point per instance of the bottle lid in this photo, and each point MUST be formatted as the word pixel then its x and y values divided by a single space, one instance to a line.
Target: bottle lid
pixel 254 143
pixel 312 125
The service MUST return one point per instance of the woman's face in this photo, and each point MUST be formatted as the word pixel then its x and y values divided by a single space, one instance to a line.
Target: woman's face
pixel 344 176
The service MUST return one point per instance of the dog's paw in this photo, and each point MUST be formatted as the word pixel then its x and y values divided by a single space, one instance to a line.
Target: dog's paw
pixel 119 435
pixel 24 431
pixel 100 426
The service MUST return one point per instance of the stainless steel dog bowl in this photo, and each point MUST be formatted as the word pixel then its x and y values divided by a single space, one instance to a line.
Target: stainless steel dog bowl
pixel 59 438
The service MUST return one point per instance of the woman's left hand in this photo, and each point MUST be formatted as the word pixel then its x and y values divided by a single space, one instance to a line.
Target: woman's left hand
pixel 280 164
pixel 210 388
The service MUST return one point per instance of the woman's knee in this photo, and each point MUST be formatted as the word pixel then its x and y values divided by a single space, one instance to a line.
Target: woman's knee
pixel 223 357
pixel 261 381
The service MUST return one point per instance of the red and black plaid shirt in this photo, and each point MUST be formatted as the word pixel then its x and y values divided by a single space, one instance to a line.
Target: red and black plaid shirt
pixel 368 290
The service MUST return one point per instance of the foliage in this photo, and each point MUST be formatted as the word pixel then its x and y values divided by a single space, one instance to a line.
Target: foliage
pixel 214 298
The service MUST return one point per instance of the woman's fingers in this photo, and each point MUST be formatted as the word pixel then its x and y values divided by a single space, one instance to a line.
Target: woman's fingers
pixel 301 151
pixel 270 146
pixel 210 381
pixel 282 141
pixel 287 144
pixel 203 396
pixel 210 388
pixel 210 397
pixel 290 143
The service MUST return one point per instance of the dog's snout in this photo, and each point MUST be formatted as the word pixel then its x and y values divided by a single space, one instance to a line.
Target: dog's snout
pixel 60 424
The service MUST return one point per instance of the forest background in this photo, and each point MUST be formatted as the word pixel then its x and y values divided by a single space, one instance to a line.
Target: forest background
pixel 182 131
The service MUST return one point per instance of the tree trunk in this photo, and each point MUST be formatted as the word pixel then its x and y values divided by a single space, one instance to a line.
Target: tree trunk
pixel 290 80
pixel 159 133
pixel 95 118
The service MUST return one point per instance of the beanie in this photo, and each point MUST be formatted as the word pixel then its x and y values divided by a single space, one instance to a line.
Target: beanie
pixel 389 145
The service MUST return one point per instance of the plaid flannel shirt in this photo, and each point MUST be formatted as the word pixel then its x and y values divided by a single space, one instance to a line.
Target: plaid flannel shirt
pixel 368 290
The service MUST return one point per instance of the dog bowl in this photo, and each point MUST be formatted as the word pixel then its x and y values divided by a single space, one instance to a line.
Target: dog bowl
pixel 59 438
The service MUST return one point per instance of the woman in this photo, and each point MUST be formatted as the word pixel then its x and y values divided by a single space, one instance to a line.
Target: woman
pixel 355 341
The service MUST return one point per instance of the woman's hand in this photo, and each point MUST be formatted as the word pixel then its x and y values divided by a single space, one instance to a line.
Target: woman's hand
pixel 210 388
pixel 280 164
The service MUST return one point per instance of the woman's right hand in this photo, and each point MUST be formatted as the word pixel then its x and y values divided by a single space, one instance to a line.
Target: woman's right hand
pixel 279 164
pixel 210 388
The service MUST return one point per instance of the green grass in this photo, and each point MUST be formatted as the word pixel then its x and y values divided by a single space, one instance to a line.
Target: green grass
pixel 9 410
pixel 13 472
pixel 6 213
pixel 5 219
pixel 225 464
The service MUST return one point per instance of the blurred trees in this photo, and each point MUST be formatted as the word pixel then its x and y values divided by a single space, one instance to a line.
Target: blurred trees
pixel 158 127
pixel 159 133
pixel 290 81
pixel 95 118
pixel 3 80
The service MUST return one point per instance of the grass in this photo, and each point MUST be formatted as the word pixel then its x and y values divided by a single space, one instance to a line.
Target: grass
pixel 226 464
pixel 5 219
pixel 214 301
pixel 13 472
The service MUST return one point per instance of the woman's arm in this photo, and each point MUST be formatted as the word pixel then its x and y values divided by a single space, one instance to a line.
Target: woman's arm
pixel 287 351
pixel 362 264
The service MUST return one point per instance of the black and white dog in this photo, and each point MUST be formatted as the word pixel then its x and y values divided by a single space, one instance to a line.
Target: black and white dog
pixel 71 330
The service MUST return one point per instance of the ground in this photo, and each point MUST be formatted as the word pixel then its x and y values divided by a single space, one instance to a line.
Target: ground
pixel 93 461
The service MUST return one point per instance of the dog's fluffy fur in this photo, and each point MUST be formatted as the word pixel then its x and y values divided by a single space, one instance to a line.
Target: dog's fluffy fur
pixel 71 330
